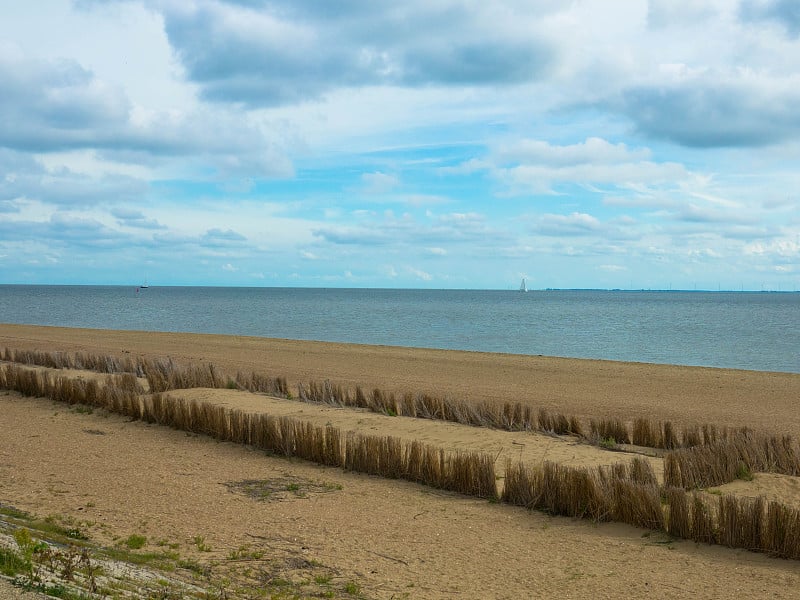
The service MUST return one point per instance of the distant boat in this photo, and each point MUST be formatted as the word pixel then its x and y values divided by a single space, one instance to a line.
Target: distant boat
pixel 144 286
pixel 523 287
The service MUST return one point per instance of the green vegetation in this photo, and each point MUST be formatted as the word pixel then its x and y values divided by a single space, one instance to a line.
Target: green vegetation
pixel 200 543
pixel 136 542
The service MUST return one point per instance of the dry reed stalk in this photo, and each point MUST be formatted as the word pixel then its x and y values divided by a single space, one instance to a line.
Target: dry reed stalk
pixel 669 436
pixel 288 441
pixel 521 485
pixel 644 433
pixel 610 429
pixel 692 436
pixel 354 458
pixel 544 422
pixel 433 466
pixel 392 458
pixel 678 521
pixel 637 504
pixel 239 427
pixel 781 532
pixel 710 434
pixel 618 471
pixel 471 473
pixel 413 460
pixel 333 447
pixel 360 400
pixel 641 471
pixel 406 405
pixel 575 427
pixel 740 522
pixel 702 466
pixel 703 528
pixel 572 492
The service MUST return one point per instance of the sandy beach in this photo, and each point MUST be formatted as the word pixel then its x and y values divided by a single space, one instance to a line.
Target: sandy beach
pixel 395 539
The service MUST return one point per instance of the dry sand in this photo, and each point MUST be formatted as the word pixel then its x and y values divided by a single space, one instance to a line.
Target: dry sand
pixel 396 539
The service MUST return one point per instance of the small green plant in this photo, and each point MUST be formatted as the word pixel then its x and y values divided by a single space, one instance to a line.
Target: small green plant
pixel 743 472
pixel 194 566
pixel 135 542
pixel 200 543
pixel 608 443
pixel 12 563
pixel 352 588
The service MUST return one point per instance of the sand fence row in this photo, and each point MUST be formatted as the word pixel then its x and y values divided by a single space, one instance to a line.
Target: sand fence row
pixel 164 374
pixel 625 493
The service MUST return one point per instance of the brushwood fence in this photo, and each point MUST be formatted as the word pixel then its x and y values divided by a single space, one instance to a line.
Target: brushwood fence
pixel 625 493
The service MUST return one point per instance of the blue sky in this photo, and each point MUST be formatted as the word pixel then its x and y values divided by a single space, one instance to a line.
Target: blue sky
pixel 431 143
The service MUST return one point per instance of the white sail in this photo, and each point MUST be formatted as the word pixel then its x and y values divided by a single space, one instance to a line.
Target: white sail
pixel 523 287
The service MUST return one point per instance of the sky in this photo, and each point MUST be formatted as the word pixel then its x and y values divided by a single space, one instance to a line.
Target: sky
pixel 645 144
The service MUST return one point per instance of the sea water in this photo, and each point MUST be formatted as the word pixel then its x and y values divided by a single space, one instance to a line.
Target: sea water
pixel 743 330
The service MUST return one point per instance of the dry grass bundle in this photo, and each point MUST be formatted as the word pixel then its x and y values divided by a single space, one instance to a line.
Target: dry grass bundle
pixel 287 442
pixel 782 455
pixel 253 382
pixel 645 433
pixel 703 528
pixel 637 504
pixel 472 474
pixel 333 447
pixel 701 466
pixel 741 521
pixel 738 456
pixel 692 436
pixel 78 360
pixel 520 487
pixel 678 521
pixel 51 360
pixel 25 381
pixel 710 434
pixel 781 531
pixel 641 471
pixel 573 492
pixel 515 417
pixel 309 441
pixel 383 403
pixel 239 427
pixel 615 471
pixel 360 454
pixel 669 436
pixel 163 375
pixel 558 424
pixel 375 455
pixel 432 467
pixel 609 429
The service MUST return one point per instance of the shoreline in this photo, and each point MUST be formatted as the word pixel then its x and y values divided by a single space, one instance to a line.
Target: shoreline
pixel 584 387
pixel 490 353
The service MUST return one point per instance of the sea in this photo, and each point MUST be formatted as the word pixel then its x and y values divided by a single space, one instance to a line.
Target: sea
pixel 741 330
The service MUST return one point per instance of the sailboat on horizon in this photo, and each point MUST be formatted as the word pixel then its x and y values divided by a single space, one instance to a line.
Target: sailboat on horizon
pixel 523 287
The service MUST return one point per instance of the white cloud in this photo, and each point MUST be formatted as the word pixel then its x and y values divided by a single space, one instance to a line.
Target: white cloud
pixel 379 183
pixel 420 274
